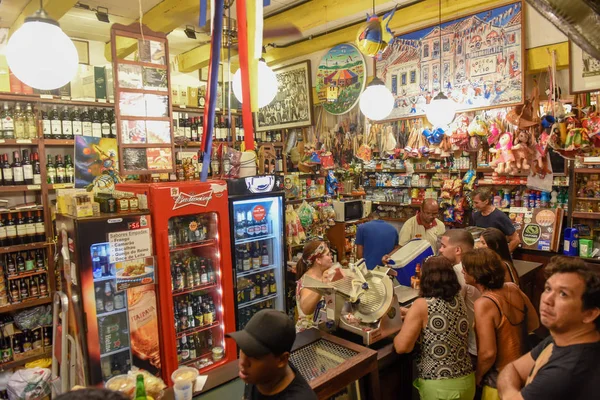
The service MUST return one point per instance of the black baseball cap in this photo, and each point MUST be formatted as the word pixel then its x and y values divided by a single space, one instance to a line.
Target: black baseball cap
pixel 268 331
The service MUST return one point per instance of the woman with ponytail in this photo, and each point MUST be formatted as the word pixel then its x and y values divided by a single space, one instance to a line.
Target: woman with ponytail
pixel 315 260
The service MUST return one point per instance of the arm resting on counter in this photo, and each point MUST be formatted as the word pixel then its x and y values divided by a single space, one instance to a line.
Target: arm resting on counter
pixel 512 378
pixel 309 300
pixel 415 319
pixel 513 241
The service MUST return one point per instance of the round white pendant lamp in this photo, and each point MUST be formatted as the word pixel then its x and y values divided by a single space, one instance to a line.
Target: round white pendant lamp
pixel 40 54
pixel 376 102
pixel 440 112
pixel 267 84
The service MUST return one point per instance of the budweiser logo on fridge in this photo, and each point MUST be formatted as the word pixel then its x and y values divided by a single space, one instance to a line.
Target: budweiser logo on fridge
pixel 200 199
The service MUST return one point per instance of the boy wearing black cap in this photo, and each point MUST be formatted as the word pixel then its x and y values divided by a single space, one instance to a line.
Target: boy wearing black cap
pixel 265 344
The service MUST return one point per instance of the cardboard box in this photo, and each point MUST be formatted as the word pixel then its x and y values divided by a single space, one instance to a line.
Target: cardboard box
pixel 175 95
pixel 100 82
pixel 192 97
pixel 586 248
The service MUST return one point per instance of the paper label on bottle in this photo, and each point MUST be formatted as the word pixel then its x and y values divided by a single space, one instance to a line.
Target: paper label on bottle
pixel 77 128
pixel 21 230
pixel 39 228
pixel 96 130
pixel 37 179
pixel 11 231
pixel 56 128
pixel 46 128
pixel 28 171
pixel 8 124
pixel 67 128
pixel 7 173
pixel 30 229
pixel 87 128
pixel 2 232
pixel 18 175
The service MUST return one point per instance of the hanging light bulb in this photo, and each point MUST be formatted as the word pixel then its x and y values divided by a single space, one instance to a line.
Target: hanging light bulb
pixel 440 112
pixel 40 54
pixel 376 102
pixel 267 84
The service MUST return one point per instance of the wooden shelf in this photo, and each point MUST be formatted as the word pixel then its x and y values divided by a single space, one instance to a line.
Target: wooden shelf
pixel 14 364
pixel 587 170
pixel 59 142
pixel 61 186
pixel 308 200
pixel 26 274
pixel 23 247
pixel 40 208
pixel 34 98
pixel 586 215
pixel 18 142
pixel 26 304
pixel 587 199
pixel 196 109
pixel 392 203
pixel 20 188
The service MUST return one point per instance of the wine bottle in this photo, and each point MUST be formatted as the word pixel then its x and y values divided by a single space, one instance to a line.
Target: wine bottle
pixel 60 170
pixel 96 124
pixel 7 177
pixel 105 124
pixel 67 125
pixel 76 122
pixel 19 118
pixel 17 169
pixel 46 127
pixel 37 175
pixel 27 168
pixel 50 170
pixel 8 123
pixel 86 122
pixel 30 123
pixel 55 124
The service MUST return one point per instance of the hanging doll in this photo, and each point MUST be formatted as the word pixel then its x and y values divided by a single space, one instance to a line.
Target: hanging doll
pixel 522 150
pixel 504 161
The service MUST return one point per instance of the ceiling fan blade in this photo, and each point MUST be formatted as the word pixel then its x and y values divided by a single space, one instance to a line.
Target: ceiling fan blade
pixel 288 30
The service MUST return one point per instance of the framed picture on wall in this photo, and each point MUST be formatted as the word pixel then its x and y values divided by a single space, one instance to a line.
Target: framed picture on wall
pixel 83 51
pixel 292 106
pixel 584 70
pixel 476 60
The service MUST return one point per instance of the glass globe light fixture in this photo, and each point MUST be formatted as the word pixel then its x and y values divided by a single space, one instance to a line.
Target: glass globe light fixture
pixel 440 112
pixel 267 84
pixel 376 102
pixel 40 54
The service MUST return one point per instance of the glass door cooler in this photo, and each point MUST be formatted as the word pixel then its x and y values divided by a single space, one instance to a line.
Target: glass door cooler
pixel 108 274
pixel 257 214
pixel 191 222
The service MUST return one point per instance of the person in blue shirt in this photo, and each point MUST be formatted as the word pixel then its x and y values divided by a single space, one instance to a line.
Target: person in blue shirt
pixel 375 239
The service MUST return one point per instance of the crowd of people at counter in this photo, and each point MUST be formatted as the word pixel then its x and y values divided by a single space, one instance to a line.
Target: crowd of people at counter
pixel 471 328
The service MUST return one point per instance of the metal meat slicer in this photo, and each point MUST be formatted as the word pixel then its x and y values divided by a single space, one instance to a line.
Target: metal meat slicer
pixel 358 301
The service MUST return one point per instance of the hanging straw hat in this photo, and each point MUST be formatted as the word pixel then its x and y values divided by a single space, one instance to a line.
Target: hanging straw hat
pixel 522 115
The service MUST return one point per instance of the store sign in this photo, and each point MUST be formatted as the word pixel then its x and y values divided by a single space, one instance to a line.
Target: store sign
pixel 200 200
pixel 130 245
pixel 531 234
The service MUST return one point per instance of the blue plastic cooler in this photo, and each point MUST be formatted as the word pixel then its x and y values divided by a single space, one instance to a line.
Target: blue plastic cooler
pixel 407 257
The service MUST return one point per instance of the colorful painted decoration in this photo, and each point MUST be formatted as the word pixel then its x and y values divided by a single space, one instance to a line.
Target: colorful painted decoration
pixel 374 37
pixel 341 78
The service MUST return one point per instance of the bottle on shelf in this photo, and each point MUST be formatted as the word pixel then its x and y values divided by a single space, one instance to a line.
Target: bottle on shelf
pixel 37 173
pixel 96 124
pixel 66 124
pixel 50 170
pixel 55 123
pixel 7 175
pixel 69 170
pixel 27 168
pixel 140 389
pixel 3 241
pixel 105 124
pixel 40 229
pixel 194 129
pixel 8 123
pixel 46 127
pixel 113 124
pixel 11 231
pixel 17 169
pixel 43 286
pixel 76 122
pixel 19 118
pixel 60 170
pixel 86 122
pixel 30 123
pixel 108 297
pixel 30 229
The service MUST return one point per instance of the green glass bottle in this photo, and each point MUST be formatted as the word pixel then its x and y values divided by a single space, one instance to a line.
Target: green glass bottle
pixel 140 389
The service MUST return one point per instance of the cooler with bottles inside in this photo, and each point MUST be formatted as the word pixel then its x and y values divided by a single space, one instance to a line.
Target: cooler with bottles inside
pixel 256 207
pixel 108 271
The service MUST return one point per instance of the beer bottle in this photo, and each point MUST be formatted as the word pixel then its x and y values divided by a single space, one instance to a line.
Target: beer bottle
pixel 6 350
pixel 11 265
pixel 43 286
pixel 20 263
pixel 24 290
pixel 109 304
pixel 99 300
pixel 255 257
pixel 208 320
pixel 185 349
pixel 190 312
pixel 39 259
pixel 140 390
pixel 203 274
pixel 37 339
pixel 47 337
pixel 33 287
pixel 272 284
pixel 265 285
pixel 27 346
pixel 192 345
pixel 29 262
pixel 196 272
pixel 14 292
pixel 17 349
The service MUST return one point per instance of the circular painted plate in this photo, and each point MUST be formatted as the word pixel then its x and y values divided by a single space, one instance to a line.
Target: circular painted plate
pixel 341 78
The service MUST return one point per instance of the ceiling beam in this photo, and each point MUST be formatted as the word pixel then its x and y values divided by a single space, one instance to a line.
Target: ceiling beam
pixel 55 9
pixel 306 16
pixel 163 17
pixel 409 19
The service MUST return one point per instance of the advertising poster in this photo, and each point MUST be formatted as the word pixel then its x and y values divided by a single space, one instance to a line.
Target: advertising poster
pixel 143 325
pixel 96 163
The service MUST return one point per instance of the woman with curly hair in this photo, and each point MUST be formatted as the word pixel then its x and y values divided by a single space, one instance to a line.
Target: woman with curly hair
pixel 438 320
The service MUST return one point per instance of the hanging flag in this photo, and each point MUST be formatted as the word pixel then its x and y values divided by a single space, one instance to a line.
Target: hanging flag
pixel 213 81
pixel 241 11
pixel 202 18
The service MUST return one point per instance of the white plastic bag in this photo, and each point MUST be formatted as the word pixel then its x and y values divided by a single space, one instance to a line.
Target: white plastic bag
pixel 29 384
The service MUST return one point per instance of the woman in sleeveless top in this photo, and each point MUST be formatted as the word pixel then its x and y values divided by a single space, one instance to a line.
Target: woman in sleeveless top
pixel 494 239
pixel 438 321
pixel 315 260
pixel 503 317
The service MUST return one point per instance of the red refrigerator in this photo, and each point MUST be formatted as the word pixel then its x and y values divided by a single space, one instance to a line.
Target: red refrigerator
pixel 192 243
pixel 108 271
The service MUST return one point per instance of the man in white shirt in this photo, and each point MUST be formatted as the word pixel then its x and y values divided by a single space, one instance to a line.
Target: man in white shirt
pixel 424 225
pixel 455 243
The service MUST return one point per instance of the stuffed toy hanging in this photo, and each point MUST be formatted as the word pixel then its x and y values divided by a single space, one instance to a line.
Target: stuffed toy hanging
pixel 522 150
pixel 504 161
